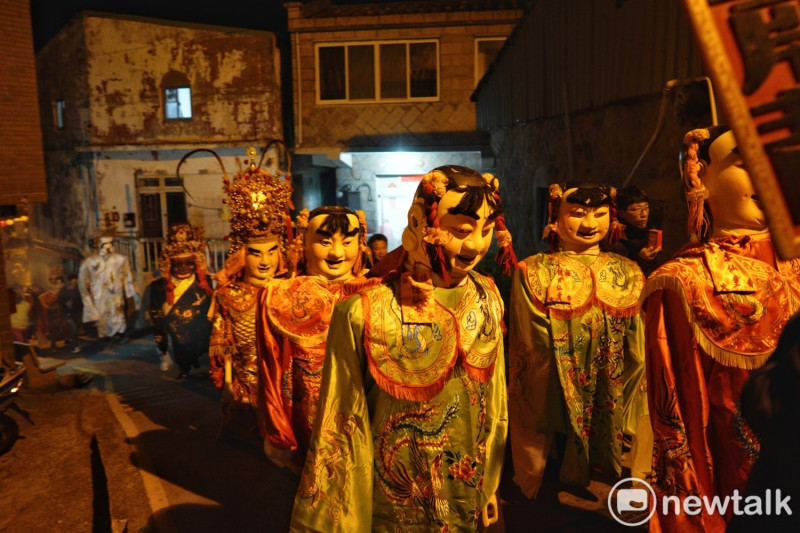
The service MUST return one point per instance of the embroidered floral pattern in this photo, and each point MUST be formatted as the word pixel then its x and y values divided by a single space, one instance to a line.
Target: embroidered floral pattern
pixel 417 482
pixel 671 455
pixel 300 309
pixel 326 462
pixel 415 459
pixel 462 469
pixel 592 383
pixel 745 436
pixel 233 333
pixel 298 313
pixel 564 287
pixel 724 291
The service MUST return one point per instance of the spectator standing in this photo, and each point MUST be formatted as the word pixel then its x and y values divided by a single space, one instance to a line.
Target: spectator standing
pixel 69 299
pixel 378 245
pixel 633 209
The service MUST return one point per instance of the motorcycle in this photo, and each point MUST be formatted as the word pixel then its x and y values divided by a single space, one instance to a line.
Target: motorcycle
pixel 11 380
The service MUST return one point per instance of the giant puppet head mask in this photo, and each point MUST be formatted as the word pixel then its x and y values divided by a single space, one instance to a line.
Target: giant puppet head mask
pixel 182 266
pixel 333 242
pixel 581 216
pixel 183 255
pixel 262 260
pixel 583 219
pixel 259 219
pixel 451 222
pixel 105 246
pixel 714 171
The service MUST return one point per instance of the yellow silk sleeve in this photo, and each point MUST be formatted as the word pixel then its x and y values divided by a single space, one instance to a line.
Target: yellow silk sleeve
pixel 335 492
pixel 497 427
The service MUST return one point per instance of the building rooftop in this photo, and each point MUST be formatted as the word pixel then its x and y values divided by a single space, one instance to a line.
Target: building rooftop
pixel 329 9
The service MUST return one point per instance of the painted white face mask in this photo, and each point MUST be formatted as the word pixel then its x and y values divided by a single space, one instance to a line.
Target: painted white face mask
pixel 261 261
pixel 331 256
pixel 106 247
pixel 581 228
pixel 731 197
pixel 470 235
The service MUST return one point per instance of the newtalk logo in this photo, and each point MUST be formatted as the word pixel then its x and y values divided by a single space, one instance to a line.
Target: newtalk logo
pixel 632 502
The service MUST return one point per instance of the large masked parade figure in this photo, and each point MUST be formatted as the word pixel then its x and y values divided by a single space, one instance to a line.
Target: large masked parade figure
pixel 180 298
pixel 576 354
pixel 105 282
pixel 259 205
pixel 412 415
pixel 714 312
pixel 292 324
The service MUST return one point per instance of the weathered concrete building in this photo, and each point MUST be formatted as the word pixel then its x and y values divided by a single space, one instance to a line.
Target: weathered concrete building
pixel 123 99
pixel 381 95
pixel 602 91
pixel 23 179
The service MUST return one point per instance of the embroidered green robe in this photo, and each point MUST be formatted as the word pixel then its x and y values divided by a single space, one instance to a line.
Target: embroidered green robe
pixel 412 419
pixel 576 363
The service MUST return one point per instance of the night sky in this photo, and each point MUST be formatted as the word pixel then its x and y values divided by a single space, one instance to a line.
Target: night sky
pixel 49 16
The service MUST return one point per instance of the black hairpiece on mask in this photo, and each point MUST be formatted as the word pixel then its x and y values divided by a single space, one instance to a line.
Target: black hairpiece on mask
pixel 588 193
pixel 338 220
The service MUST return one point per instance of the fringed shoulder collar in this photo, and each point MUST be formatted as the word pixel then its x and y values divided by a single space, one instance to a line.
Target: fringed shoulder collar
pixel 737 305
pixel 414 361
pixel 566 287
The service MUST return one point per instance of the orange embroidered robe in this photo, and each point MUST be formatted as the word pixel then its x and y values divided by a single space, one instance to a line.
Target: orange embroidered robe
pixel 292 320
pixel 714 312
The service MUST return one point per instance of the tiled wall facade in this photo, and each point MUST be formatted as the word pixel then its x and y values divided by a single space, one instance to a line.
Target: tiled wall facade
pixel 326 128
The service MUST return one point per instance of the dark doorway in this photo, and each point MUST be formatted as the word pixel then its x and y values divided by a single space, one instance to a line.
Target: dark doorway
pixel 151 215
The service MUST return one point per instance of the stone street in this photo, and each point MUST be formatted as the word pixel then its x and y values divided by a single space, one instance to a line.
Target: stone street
pixel 137 450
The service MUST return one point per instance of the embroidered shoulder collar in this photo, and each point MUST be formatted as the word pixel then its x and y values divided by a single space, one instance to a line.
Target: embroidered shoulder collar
pixel 565 287
pixel 413 361
pixel 737 305
pixel 300 309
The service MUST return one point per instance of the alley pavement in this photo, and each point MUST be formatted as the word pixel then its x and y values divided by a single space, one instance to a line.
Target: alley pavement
pixel 136 449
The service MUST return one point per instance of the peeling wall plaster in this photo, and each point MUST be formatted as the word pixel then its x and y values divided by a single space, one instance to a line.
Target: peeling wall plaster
pixel 235 94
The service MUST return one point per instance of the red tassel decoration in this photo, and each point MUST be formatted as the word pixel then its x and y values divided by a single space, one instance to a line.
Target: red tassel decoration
pixel 505 258
pixel 615 227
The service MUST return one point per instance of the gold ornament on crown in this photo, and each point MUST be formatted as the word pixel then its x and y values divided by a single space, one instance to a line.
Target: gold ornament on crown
pixel 259 205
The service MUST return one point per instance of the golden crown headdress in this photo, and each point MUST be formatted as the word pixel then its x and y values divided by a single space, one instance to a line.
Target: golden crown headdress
pixel 259 204
pixel 183 239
